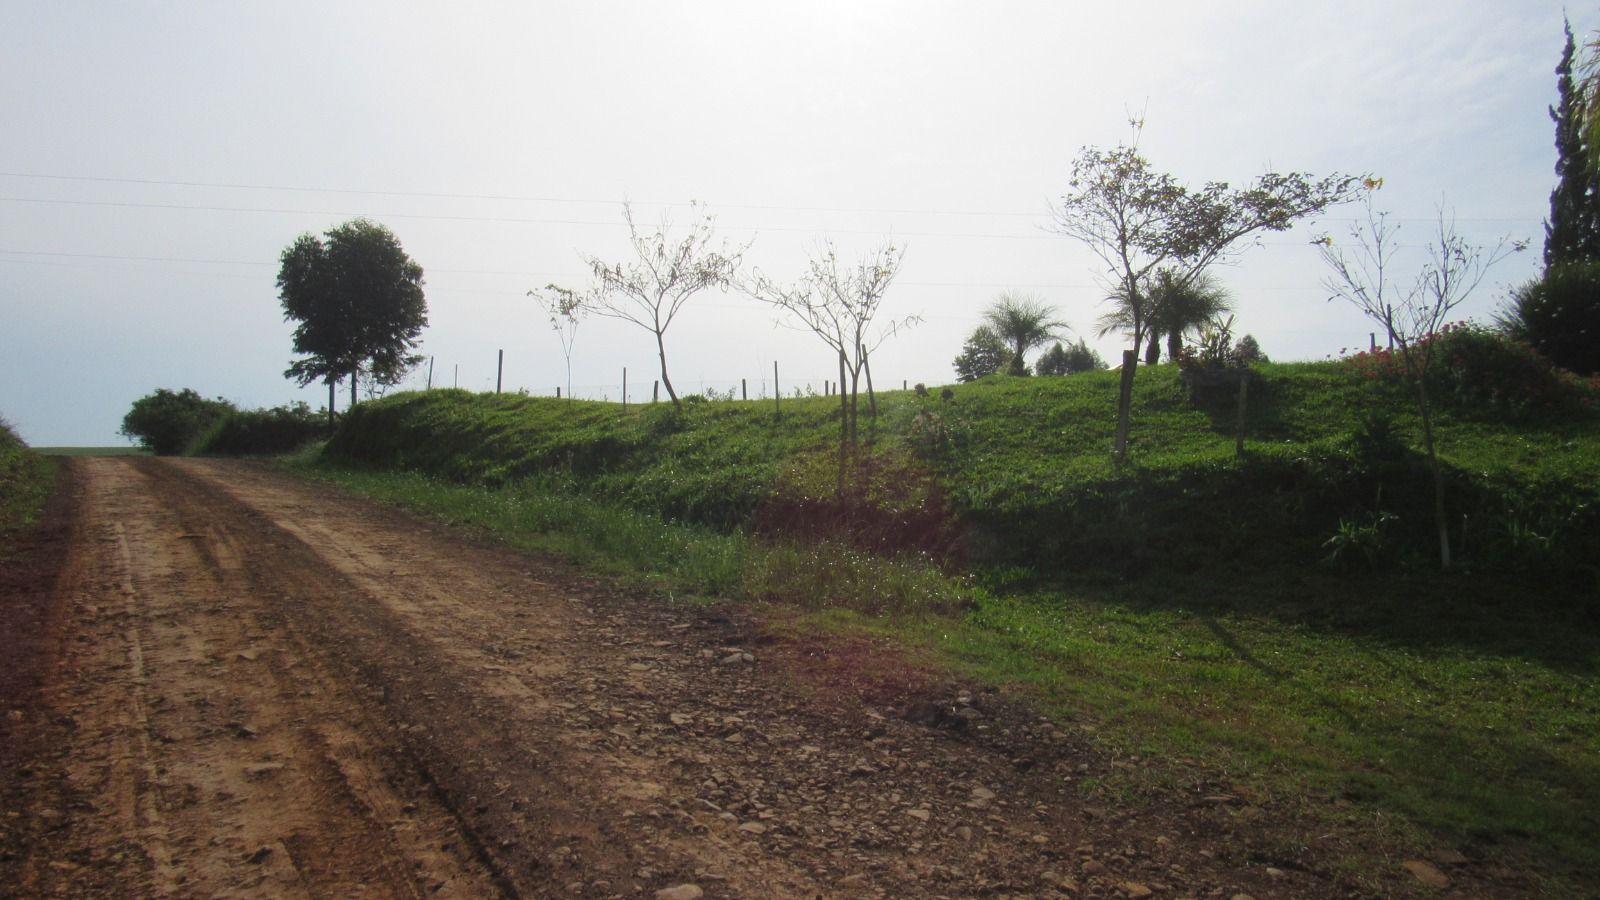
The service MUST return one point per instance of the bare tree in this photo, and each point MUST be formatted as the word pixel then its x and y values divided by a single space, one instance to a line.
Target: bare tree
pixel 1411 311
pixel 1137 220
pixel 566 309
pixel 838 302
pixel 651 291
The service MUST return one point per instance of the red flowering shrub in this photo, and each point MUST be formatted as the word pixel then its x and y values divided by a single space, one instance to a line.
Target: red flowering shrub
pixel 1476 367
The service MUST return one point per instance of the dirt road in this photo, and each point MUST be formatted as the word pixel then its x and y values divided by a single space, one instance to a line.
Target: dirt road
pixel 262 687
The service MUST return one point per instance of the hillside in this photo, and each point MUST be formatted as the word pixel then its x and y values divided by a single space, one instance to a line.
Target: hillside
pixel 1018 470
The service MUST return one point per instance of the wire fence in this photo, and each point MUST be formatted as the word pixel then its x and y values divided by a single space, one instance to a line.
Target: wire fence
pixel 637 385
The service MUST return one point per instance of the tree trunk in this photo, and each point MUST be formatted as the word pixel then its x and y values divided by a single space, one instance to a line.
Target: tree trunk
pixel 661 351
pixel 353 387
pixel 1130 359
pixel 872 398
pixel 1152 350
pixel 844 426
pixel 331 386
pixel 1426 409
pixel 1174 344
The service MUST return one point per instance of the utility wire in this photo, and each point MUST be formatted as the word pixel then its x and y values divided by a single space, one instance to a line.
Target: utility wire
pixel 444 195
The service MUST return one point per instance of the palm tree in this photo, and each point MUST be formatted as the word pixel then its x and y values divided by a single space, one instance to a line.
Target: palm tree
pixel 1023 322
pixel 1176 306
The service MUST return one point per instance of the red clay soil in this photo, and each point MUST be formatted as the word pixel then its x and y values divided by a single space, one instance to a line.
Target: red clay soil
pixel 231 682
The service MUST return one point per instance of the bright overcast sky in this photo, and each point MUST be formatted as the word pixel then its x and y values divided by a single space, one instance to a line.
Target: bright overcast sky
pixel 157 159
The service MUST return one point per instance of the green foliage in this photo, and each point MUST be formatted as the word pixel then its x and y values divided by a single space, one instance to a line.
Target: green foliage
pixel 1074 358
pixel 1558 314
pixel 25 480
pixel 983 354
pixel 1248 351
pixel 1572 233
pixel 1013 471
pixel 357 298
pixel 1483 373
pixel 262 432
pixel 168 422
pixel 1022 323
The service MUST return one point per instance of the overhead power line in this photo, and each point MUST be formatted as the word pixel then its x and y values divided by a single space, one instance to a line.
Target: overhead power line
pixel 529 198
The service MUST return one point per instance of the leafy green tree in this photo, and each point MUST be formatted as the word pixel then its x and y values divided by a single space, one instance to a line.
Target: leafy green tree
pixel 1572 233
pixel 984 353
pixel 167 422
pixel 1248 351
pixel 1558 314
pixel 1070 360
pixel 1137 220
pixel 359 303
pixel 1023 323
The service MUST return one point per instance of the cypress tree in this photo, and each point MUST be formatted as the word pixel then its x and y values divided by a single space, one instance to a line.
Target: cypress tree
pixel 1572 233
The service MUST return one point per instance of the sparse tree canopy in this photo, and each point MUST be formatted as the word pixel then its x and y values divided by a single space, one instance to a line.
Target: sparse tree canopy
pixel 1024 323
pixel 566 311
pixel 838 302
pixel 667 271
pixel 1137 220
pixel 984 353
pixel 358 300
pixel 1410 312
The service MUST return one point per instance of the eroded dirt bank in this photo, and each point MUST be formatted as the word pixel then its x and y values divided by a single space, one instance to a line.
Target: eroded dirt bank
pixel 264 688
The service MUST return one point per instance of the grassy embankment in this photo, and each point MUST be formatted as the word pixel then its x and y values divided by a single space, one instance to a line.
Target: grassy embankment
pixel 25 482
pixel 1185 608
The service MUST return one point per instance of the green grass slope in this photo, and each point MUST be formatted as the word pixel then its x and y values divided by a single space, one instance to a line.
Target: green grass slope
pixel 1020 469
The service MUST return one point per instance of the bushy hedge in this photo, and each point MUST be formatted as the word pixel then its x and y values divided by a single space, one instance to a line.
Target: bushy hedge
pixel 1558 314
pixel 262 432
pixel 168 422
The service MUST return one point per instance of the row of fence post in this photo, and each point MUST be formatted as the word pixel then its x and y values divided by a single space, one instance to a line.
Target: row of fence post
pixel 829 388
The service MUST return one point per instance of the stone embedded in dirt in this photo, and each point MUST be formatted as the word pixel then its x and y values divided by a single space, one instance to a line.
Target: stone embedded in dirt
pixel 739 658
pixel 681 892
pixel 1094 867
pixel 982 794
pixel 1135 890
pixel 1276 873
pixel 1450 858
pixel 260 855
pixel 964 832
pixel 246 655
pixel 639 667
pixel 680 719
pixel 853 882
pixel 1241 897
pixel 753 828
pixel 1426 873
pixel 922 815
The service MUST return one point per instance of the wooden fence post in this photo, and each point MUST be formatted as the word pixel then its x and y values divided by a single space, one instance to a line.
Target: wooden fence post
pixel 430 373
pixel 655 390
pixel 624 387
pixel 1244 398
pixel 777 395
pixel 499 370
pixel 744 390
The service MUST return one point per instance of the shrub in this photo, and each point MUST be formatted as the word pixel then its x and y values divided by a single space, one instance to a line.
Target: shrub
pixel 1558 314
pixel 984 353
pixel 1074 358
pixel 1474 367
pixel 167 422
pixel 262 432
